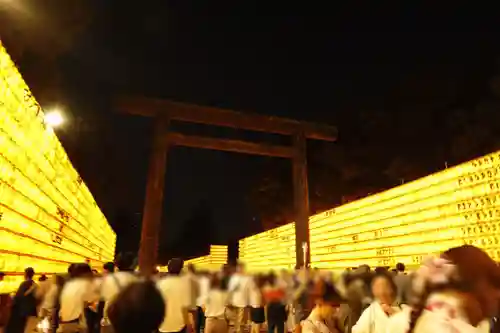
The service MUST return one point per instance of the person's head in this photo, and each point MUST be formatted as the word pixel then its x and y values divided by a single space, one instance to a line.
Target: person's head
pixel 240 267
pixel 2 276
pixel 326 304
pixel 271 278
pixel 29 273
pixel 71 267
pixel 42 278
pixel 175 266
pixel 465 272
pixel 260 280
pixel 138 308
pixel 218 283
pixel 400 267
pixel 383 288
pixel 81 270
pixel 125 262
pixel 108 268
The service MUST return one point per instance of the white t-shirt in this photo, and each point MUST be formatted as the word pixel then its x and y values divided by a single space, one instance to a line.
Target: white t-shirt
pixel 255 295
pixel 239 290
pixel 74 295
pixel 111 284
pixel 215 304
pixel 204 284
pixel 177 296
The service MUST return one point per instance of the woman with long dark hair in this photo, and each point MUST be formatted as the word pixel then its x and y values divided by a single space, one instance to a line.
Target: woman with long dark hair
pixel 456 292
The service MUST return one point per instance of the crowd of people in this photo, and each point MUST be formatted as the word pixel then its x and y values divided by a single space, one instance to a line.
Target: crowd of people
pixel 456 292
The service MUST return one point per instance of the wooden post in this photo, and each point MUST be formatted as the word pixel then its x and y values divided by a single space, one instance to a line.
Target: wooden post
pixel 301 201
pixel 153 204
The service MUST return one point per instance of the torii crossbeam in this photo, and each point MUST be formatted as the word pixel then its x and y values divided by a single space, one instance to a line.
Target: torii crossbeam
pixel 164 111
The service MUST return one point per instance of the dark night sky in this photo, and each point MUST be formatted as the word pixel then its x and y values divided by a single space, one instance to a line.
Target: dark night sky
pixel 302 62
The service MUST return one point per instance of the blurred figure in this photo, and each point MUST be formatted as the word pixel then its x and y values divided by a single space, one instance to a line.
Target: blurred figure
pixel 44 285
pixel 375 317
pixel 76 293
pixel 403 283
pixel 274 296
pixel 215 307
pixel 23 316
pixel 456 292
pixel 194 288
pixel 239 295
pixel 322 313
pixel 257 310
pixel 138 308
pixel 111 284
pixel 204 285
pixel 175 289
pixel 358 296
pixel 48 304
pixel 109 268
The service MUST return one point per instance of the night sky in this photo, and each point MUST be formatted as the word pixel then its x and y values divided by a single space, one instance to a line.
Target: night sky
pixel 304 62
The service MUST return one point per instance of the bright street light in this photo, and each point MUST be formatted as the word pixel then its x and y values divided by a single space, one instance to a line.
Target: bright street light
pixel 54 119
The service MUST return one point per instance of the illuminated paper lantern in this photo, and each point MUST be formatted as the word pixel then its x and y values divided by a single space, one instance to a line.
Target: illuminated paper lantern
pixel 456 206
pixel 459 205
pixel 214 261
pixel 270 250
pixel 48 217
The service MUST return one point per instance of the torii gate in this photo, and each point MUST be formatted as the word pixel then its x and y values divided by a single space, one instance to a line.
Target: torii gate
pixel 164 111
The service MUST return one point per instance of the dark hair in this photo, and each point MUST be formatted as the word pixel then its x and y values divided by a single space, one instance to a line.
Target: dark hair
pixel 125 261
pixel 29 273
pixel 400 267
pixel 386 276
pixel 175 266
pixel 42 278
pixel 473 265
pixel 109 267
pixel 330 294
pixel 80 270
pixel 139 308
pixel 71 267
pixel 271 278
pixel 260 280
pixel 217 282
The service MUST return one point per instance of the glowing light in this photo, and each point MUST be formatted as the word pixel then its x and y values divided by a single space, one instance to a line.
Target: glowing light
pixel 54 119
pixel 48 216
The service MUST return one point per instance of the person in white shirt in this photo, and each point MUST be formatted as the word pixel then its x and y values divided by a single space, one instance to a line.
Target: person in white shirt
pixel 320 318
pixel 375 317
pixel 74 296
pixel 456 292
pixel 239 295
pixel 175 290
pixel 112 283
pixel 215 307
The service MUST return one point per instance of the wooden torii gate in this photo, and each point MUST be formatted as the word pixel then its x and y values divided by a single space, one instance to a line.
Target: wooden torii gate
pixel 165 111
